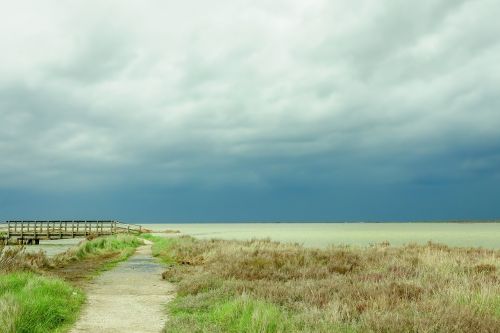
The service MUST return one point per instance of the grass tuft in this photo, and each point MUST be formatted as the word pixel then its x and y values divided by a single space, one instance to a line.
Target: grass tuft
pixel 121 245
pixel 33 303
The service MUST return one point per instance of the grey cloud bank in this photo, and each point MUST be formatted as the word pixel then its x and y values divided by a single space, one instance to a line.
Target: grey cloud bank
pixel 250 110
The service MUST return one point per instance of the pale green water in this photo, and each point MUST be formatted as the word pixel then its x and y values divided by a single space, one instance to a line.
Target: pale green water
pixel 323 234
pixel 53 247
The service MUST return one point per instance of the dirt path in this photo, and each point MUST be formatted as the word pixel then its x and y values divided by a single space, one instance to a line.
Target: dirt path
pixel 128 298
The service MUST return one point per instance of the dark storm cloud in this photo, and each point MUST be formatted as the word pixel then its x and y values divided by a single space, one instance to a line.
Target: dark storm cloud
pixel 288 99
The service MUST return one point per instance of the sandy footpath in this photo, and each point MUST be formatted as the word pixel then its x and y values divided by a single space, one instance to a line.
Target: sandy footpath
pixel 129 298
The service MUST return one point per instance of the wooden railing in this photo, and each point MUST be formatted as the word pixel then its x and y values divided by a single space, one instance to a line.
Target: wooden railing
pixel 37 230
pixel 3 231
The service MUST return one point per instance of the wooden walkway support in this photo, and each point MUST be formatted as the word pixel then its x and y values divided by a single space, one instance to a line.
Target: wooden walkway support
pixel 31 232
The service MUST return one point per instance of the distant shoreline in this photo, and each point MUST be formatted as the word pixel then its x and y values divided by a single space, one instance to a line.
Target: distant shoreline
pixel 319 222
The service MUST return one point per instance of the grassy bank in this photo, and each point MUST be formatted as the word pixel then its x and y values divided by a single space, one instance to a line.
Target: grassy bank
pixel 33 303
pixel 115 248
pixel 264 286
pixel 119 246
pixel 34 299
pixel 81 263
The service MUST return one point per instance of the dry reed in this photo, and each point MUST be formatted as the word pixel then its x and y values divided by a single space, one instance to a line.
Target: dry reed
pixel 415 288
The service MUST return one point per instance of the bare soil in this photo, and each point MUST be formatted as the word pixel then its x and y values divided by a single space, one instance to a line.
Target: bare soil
pixel 129 298
pixel 79 273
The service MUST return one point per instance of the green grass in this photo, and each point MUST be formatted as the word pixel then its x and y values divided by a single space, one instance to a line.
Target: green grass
pixel 232 315
pixel 123 245
pixel 482 303
pixel 32 303
pixel 162 247
pixel 237 314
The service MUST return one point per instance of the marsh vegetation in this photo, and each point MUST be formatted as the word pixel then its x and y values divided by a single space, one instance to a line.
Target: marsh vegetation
pixel 37 294
pixel 266 286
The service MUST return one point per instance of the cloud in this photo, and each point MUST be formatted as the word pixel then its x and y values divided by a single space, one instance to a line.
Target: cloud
pixel 249 93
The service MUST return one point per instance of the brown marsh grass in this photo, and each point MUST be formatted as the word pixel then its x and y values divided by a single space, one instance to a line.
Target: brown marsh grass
pixel 16 258
pixel 289 288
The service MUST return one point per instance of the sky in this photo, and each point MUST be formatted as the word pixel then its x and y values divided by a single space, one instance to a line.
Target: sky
pixel 250 110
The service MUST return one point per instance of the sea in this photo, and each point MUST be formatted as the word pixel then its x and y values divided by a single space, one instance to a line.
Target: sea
pixel 462 234
pixel 321 235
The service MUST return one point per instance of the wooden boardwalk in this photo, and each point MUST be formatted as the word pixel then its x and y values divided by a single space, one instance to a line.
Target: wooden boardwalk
pixel 31 232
